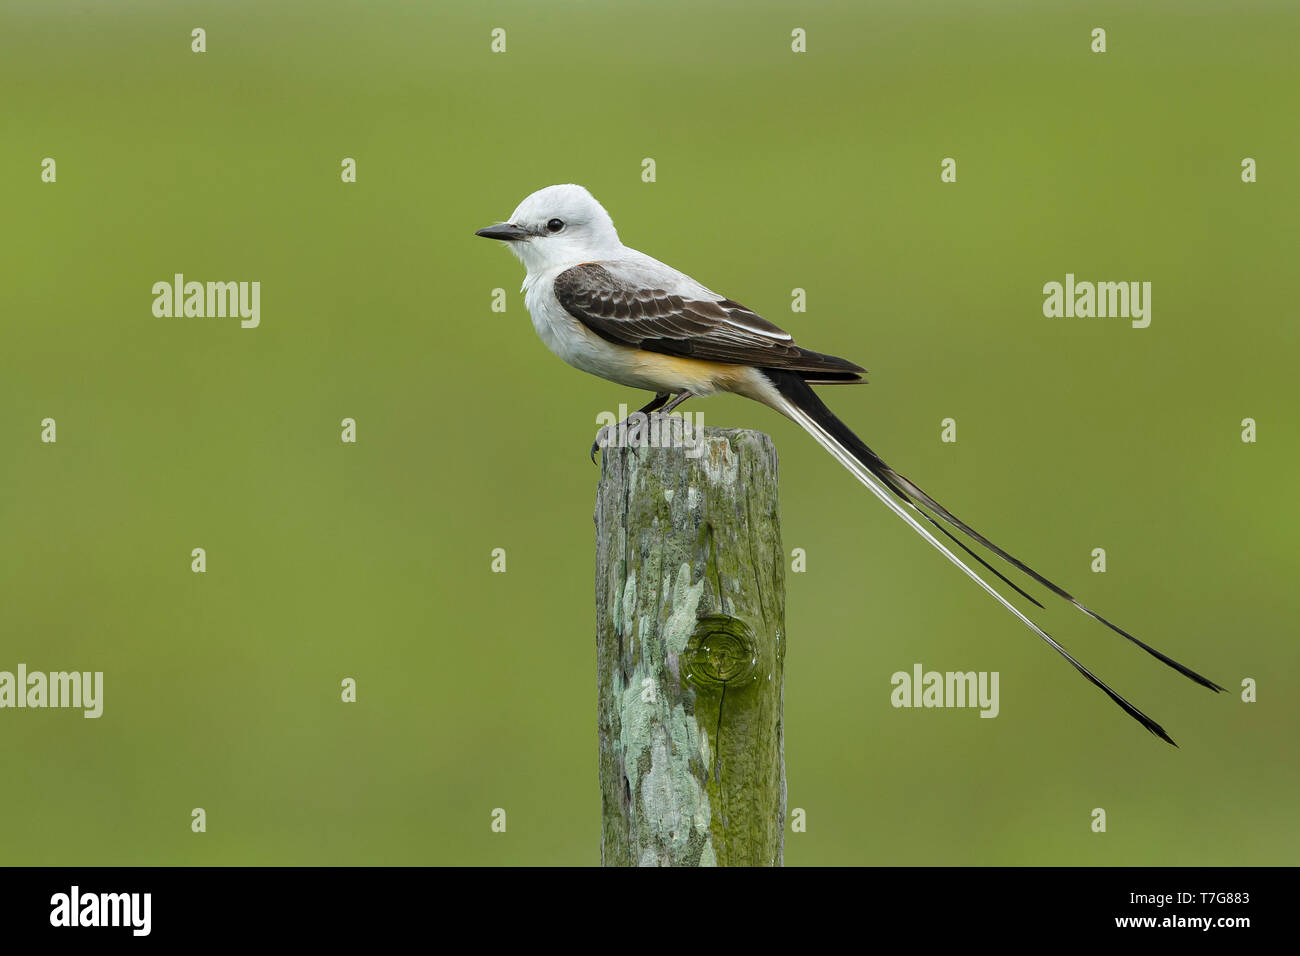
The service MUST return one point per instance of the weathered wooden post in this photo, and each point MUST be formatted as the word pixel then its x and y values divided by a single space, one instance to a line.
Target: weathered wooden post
pixel 690 631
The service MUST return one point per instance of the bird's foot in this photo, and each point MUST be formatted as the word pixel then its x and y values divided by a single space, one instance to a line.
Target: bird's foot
pixel 626 432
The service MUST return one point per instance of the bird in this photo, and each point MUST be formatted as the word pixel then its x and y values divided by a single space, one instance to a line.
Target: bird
pixel 619 314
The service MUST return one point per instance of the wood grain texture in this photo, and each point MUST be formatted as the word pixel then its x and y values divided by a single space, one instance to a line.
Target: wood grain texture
pixel 690 611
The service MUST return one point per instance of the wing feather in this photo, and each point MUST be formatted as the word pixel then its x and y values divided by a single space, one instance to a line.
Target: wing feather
pixel 717 330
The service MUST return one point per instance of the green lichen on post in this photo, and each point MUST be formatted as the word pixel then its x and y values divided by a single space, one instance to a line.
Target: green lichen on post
pixel 690 624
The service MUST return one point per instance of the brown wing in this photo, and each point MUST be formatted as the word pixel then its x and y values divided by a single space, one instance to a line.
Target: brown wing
pixel 713 330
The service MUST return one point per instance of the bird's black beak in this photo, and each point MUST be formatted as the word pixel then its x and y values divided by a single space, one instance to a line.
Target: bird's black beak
pixel 505 231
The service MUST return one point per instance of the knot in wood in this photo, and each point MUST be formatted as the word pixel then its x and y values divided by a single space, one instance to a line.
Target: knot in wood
pixel 721 653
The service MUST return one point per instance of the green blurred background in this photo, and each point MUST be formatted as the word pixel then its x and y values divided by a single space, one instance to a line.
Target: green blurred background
pixel 774 171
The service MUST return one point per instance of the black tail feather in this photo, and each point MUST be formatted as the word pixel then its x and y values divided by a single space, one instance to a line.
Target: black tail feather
pixel 798 391
pixel 948 516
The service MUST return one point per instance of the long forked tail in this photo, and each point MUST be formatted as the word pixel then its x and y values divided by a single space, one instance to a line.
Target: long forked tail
pixel 794 398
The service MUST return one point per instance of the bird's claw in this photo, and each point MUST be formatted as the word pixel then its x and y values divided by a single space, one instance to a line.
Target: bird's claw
pixel 631 427
pixel 602 440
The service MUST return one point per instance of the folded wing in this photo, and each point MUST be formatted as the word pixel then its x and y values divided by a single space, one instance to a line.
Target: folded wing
pixel 628 312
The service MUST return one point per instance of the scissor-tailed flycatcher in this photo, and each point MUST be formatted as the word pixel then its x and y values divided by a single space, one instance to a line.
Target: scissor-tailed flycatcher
pixel 617 313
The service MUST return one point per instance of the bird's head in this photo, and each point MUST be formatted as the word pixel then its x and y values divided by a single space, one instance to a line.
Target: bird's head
pixel 557 227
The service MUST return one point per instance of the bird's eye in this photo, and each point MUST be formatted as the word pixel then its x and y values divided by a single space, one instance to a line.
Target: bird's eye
pixel 555 225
